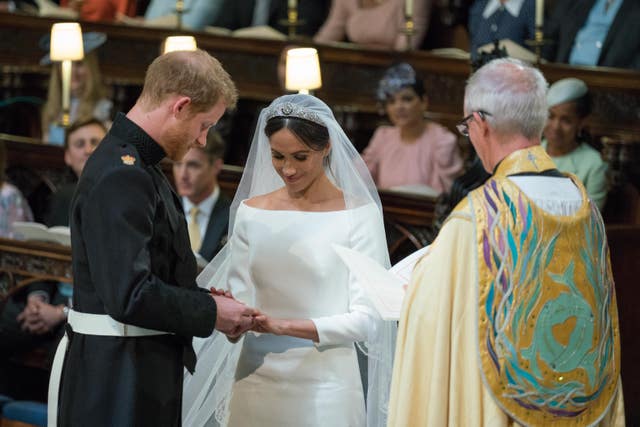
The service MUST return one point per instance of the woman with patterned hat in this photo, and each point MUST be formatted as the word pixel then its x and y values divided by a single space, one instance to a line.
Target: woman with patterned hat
pixel 412 152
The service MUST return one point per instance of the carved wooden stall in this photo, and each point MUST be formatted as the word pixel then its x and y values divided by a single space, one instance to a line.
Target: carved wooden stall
pixel 23 263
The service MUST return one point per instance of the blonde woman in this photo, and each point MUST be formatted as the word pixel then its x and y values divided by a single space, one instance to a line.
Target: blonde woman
pixel 88 94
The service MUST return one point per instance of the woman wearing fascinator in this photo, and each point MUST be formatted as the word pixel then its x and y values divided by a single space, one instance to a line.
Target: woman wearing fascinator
pixel 412 152
pixel 304 188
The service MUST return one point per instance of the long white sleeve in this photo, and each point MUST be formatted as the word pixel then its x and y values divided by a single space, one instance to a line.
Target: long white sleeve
pixel 368 237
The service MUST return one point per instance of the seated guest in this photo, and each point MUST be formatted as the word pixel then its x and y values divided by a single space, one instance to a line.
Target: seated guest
pixel 595 32
pixel 101 10
pixel 374 23
pixel 511 318
pixel 250 13
pixel 28 7
pixel 24 321
pixel 566 139
pixel 13 205
pixel 413 151
pixel 88 94
pixel 81 139
pixel 197 13
pixel 491 20
pixel 34 317
pixel 205 207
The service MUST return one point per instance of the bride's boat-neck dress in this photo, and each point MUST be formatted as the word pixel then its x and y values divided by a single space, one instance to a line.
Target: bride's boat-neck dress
pixel 287 257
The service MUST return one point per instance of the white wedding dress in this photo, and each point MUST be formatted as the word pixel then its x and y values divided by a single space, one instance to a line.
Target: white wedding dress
pixel 286 259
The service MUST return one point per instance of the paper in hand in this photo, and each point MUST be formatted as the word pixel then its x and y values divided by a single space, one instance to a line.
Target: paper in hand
pixel 385 288
pixel 404 267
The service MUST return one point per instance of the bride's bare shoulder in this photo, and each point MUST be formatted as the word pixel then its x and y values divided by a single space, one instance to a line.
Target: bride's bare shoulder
pixel 264 201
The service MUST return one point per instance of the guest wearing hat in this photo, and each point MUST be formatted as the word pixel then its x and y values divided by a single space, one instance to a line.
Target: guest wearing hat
pixel 412 152
pixel 88 94
pixel 565 137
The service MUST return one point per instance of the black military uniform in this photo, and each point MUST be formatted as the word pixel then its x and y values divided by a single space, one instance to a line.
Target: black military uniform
pixel 132 261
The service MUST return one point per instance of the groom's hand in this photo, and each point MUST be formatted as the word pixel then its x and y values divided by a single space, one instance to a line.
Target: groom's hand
pixel 221 292
pixel 233 318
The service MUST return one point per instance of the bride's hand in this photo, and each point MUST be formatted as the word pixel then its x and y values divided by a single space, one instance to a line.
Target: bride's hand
pixel 268 325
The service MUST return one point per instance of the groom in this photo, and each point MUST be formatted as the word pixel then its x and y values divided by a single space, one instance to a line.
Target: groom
pixel 136 305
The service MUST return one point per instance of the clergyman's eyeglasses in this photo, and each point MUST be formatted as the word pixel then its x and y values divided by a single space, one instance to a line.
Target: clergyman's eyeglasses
pixel 463 125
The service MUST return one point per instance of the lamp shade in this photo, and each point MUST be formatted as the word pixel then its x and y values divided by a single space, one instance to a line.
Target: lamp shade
pixel 174 43
pixel 66 42
pixel 303 69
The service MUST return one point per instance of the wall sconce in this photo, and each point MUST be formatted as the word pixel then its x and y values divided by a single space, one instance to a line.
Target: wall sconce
pixel 66 46
pixel 303 70
pixel 174 43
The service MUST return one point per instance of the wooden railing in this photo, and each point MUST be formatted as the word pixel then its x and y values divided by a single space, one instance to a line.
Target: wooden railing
pixel 22 263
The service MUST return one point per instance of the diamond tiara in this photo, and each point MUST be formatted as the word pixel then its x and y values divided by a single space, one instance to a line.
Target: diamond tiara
pixel 289 109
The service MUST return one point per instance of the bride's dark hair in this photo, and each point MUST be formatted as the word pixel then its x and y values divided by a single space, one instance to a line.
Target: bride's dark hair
pixel 312 134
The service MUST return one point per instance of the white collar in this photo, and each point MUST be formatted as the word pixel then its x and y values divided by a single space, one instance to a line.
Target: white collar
pixel 512 6
pixel 205 206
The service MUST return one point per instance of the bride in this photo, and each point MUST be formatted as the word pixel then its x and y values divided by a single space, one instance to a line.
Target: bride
pixel 304 188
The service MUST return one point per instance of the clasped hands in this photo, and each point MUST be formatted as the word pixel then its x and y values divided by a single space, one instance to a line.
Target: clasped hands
pixel 234 318
pixel 39 317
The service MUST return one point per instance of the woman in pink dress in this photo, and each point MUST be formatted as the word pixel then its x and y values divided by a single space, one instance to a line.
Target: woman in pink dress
pixel 374 23
pixel 413 152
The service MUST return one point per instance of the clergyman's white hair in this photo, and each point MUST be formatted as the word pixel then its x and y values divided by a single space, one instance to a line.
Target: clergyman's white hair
pixel 513 93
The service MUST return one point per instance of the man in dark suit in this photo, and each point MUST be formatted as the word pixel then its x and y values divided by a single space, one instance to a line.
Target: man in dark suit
pixel 205 207
pixel 136 305
pixel 246 13
pixel 595 32
pixel 80 140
